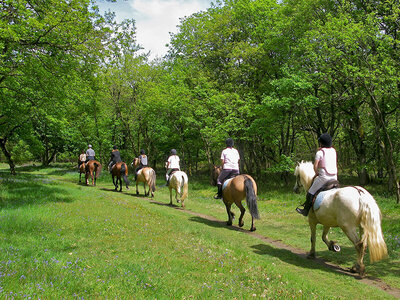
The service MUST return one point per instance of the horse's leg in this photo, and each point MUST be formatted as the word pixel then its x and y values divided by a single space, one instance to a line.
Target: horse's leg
pixel 330 244
pixel 170 196
pixel 242 211
pixel 360 246
pixel 137 189
pixel 120 184
pixel 92 175
pixel 144 187
pixel 228 210
pixel 115 182
pixel 80 177
pixel 313 227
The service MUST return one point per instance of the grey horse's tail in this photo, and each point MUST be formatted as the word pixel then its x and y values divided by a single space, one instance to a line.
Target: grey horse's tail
pixel 251 197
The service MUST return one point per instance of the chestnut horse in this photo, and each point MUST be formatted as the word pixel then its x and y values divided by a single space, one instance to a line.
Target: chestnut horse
pixel 92 169
pixel 120 169
pixel 234 191
pixel 349 208
pixel 146 175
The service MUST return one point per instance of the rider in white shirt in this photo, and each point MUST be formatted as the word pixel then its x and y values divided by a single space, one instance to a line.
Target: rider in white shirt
pixel 325 167
pixel 172 165
pixel 230 165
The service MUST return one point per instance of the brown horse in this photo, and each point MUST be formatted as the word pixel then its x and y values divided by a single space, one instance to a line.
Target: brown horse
pixel 146 175
pixel 92 169
pixel 120 169
pixel 81 171
pixel 234 191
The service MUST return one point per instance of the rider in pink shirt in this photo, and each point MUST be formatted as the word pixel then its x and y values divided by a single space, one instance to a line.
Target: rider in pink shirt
pixel 325 167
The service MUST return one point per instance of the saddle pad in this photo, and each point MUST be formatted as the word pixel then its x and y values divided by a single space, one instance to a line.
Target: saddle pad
pixel 226 183
pixel 320 198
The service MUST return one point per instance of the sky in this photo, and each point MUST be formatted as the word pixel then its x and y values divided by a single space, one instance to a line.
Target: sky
pixel 155 19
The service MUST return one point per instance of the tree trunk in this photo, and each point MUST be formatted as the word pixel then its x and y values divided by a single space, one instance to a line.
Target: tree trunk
pixel 7 154
pixel 386 144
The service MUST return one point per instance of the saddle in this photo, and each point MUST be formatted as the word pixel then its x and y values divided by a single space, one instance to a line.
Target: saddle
pixel 227 179
pixel 332 184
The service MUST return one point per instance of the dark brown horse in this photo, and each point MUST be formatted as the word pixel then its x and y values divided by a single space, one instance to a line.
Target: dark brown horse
pixel 92 169
pixel 234 191
pixel 119 170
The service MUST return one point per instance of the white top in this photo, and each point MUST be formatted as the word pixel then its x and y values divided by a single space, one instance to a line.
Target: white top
pixel 231 158
pixel 173 162
pixel 327 166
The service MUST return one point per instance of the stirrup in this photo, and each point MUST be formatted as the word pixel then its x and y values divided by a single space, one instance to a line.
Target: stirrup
pixel 302 211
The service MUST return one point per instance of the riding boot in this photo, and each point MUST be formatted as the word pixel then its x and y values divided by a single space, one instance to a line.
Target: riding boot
pixel 219 193
pixel 307 205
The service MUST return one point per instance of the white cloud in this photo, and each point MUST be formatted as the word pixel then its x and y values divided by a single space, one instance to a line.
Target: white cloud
pixel 155 19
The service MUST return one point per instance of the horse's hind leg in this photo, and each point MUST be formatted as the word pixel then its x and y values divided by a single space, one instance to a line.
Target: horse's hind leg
pixel 332 246
pixel 120 184
pixel 144 186
pixel 170 196
pixel 242 211
pixel 137 189
pixel 230 217
pixel 360 247
pixel 115 184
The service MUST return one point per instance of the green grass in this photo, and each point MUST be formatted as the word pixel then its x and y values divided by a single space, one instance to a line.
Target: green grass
pixel 59 239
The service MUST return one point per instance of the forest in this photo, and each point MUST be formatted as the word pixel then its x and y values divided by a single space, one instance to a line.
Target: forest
pixel 272 75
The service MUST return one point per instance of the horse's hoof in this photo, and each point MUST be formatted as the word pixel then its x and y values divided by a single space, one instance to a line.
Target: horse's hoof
pixel 127 188
pixel 229 223
pixel 137 193
pixel 253 229
pixel 311 256
pixel 241 224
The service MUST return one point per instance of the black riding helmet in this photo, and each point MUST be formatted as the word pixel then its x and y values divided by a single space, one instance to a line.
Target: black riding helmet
pixel 326 140
pixel 173 152
pixel 115 147
pixel 142 152
pixel 229 142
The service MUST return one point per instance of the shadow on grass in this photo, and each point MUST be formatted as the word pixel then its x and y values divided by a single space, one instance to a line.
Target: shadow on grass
pixel 28 189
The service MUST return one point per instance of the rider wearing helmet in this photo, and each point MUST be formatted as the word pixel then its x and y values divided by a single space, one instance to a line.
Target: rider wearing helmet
pixel 82 158
pixel 230 165
pixel 142 162
pixel 172 165
pixel 115 158
pixel 90 155
pixel 325 167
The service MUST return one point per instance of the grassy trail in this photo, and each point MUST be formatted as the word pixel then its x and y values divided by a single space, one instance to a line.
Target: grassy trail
pixel 59 239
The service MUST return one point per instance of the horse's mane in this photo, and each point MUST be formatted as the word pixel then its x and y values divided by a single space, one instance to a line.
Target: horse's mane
pixel 305 169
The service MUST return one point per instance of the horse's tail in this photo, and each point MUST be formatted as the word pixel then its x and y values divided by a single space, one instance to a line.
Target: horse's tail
pixel 251 197
pixel 124 173
pixel 371 224
pixel 153 180
pixel 184 186
pixel 98 169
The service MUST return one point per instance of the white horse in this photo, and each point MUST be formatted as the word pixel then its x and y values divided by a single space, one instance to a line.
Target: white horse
pixel 179 182
pixel 348 208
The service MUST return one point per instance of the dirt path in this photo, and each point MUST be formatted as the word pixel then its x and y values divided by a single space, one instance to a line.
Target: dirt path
pixel 372 281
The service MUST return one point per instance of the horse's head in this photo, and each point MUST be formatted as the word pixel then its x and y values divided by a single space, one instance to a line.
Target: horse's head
pixel 304 173
pixel 215 171
pixel 135 162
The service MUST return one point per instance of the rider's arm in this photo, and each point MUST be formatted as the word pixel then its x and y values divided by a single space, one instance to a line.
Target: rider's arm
pixel 316 163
